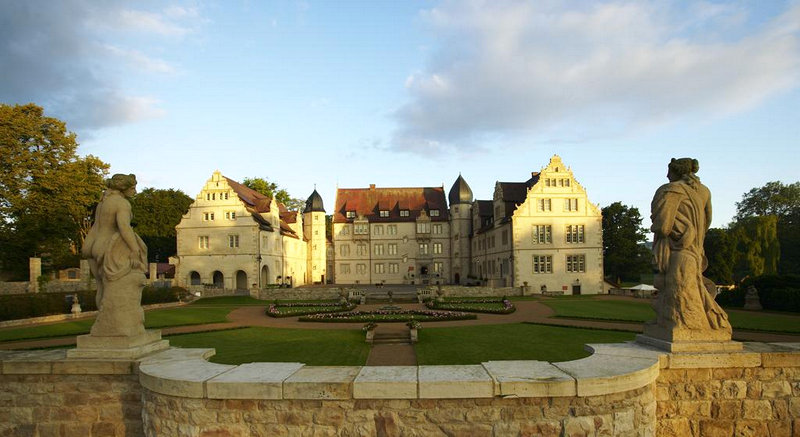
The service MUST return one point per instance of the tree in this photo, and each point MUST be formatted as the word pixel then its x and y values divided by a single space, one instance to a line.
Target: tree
pixel 271 189
pixel 782 201
pixel 722 253
pixel 47 192
pixel 155 215
pixel 624 254
pixel 758 246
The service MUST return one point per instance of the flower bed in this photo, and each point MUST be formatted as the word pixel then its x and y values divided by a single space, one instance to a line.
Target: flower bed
pixel 490 306
pixel 305 308
pixel 388 316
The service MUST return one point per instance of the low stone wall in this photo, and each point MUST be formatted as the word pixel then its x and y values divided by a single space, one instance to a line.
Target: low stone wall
pixel 621 390
pixel 13 287
pixel 463 291
pixel 301 293
pixel 81 315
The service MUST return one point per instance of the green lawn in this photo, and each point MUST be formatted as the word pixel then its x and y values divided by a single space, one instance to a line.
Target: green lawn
pixel 583 308
pixel 316 347
pixel 518 341
pixel 163 318
pixel 634 311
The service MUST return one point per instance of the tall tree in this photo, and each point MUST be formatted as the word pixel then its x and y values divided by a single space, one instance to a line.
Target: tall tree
pixel 757 245
pixel 624 254
pixel 782 201
pixel 47 191
pixel 721 249
pixel 271 189
pixel 155 215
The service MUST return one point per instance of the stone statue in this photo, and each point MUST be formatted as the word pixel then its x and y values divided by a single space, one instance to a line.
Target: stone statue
pixel 118 260
pixel 681 215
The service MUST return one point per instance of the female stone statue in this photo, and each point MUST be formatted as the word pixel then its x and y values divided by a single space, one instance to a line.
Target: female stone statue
pixel 681 215
pixel 118 260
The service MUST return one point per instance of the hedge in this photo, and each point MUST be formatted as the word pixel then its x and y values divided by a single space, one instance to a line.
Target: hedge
pixel 775 292
pixel 24 306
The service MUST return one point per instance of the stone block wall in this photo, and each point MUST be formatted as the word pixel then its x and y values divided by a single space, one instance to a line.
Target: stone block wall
pixel 302 293
pixel 630 413
pixel 462 291
pixel 14 287
pixel 728 401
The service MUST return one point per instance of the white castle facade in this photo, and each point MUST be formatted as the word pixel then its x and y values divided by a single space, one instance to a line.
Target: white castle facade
pixel 542 233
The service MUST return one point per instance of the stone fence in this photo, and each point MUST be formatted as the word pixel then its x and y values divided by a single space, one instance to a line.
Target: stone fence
pixel 7 288
pixel 460 290
pixel 301 293
pixel 622 390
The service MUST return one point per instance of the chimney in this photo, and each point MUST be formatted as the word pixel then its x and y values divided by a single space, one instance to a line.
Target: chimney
pixel 371 186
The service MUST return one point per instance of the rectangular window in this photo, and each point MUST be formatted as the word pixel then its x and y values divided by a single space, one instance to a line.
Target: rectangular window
pixel 437 228
pixel 350 214
pixel 346 230
pixel 377 229
pixel 383 213
pixel 575 233
pixel 391 229
pixel 202 242
pixel 542 264
pixel 379 268
pixel 576 263
pixel 423 228
pixel 230 215
pixel 434 213
pixel 233 241
pixel 344 268
pixel 437 247
pixel 403 213
pixel 542 234
pixel 544 205
pixel 570 204
pixel 394 268
pixel 438 267
pixel 361 249
pixel 566 182
pixel 423 248
pixel 344 250
pixel 504 237
pixel 361 268
pixel 379 249
pixel 361 229
pixel 208 216
pixel 392 249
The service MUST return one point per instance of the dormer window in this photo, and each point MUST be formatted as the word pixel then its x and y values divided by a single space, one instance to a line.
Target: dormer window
pixel 383 213
pixel 403 213
pixel 434 213
pixel 350 214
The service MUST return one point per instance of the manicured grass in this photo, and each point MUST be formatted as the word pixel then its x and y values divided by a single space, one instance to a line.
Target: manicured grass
pixel 518 341
pixel 759 321
pixel 316 347
pixel 633 311
pixel 152 319
pixel 229 301
pixel 619 310
pixel 291 311
pixel 482 307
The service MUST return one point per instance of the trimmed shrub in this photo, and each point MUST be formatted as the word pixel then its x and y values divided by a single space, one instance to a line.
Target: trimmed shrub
pixel 731 298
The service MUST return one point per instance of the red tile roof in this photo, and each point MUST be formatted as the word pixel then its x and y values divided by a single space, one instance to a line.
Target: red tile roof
pixel 368 201
pixel 251 197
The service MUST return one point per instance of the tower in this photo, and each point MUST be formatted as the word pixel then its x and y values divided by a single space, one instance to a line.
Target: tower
pixel 314 233
pixel 460 199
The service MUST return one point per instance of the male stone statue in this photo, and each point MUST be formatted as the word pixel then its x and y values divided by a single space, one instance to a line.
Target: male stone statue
pixel 117 259
pixel 685 308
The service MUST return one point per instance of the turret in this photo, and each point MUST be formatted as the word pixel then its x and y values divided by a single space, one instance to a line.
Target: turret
pixel 460 198
pixel 314 233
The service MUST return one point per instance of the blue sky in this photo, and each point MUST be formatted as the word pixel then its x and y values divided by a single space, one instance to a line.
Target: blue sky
pixel 410 93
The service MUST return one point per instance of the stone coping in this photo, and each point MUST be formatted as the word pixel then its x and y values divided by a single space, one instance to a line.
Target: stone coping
pixel 612 368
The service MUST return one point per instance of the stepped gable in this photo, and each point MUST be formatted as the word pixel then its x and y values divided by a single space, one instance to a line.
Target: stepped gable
pixel 368 202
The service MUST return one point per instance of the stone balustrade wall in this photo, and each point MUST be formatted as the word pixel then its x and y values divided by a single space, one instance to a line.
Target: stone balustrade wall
pixel 302 293
pixel 463 291
pixel 620 390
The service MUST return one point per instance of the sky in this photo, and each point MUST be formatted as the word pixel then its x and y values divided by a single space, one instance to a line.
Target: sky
pixel 411 93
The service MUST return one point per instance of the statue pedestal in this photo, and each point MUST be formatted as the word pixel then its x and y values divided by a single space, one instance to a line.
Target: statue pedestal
pixel 118 347
pixel 688 340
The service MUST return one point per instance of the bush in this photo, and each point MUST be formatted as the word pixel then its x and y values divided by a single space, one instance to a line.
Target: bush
pixel 775 292
pixel 151 295
pixel 731 298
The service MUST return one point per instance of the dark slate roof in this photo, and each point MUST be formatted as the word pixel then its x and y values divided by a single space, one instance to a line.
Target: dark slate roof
pixel 460 192
pixel 314 203
pixel 369 201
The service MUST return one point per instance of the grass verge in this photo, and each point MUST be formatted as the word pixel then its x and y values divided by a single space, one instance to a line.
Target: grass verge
pixel 517 341
pixel 315 347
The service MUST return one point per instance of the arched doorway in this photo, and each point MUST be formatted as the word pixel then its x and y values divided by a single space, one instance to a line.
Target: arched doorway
pixel 219 279
pixel 264 276
pixel 458 278
pixel 241 280
pixel 194 279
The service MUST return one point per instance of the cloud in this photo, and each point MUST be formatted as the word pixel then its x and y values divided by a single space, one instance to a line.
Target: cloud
pixel 505 67
pixel 64 57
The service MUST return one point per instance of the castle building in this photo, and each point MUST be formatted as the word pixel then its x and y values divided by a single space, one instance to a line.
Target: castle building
pixel 543 233
pixel 236 238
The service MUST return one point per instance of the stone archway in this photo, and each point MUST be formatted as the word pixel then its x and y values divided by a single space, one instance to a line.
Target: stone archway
pixel 194 279
pixel 241 280
pixel 219 279
pixel 264 276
